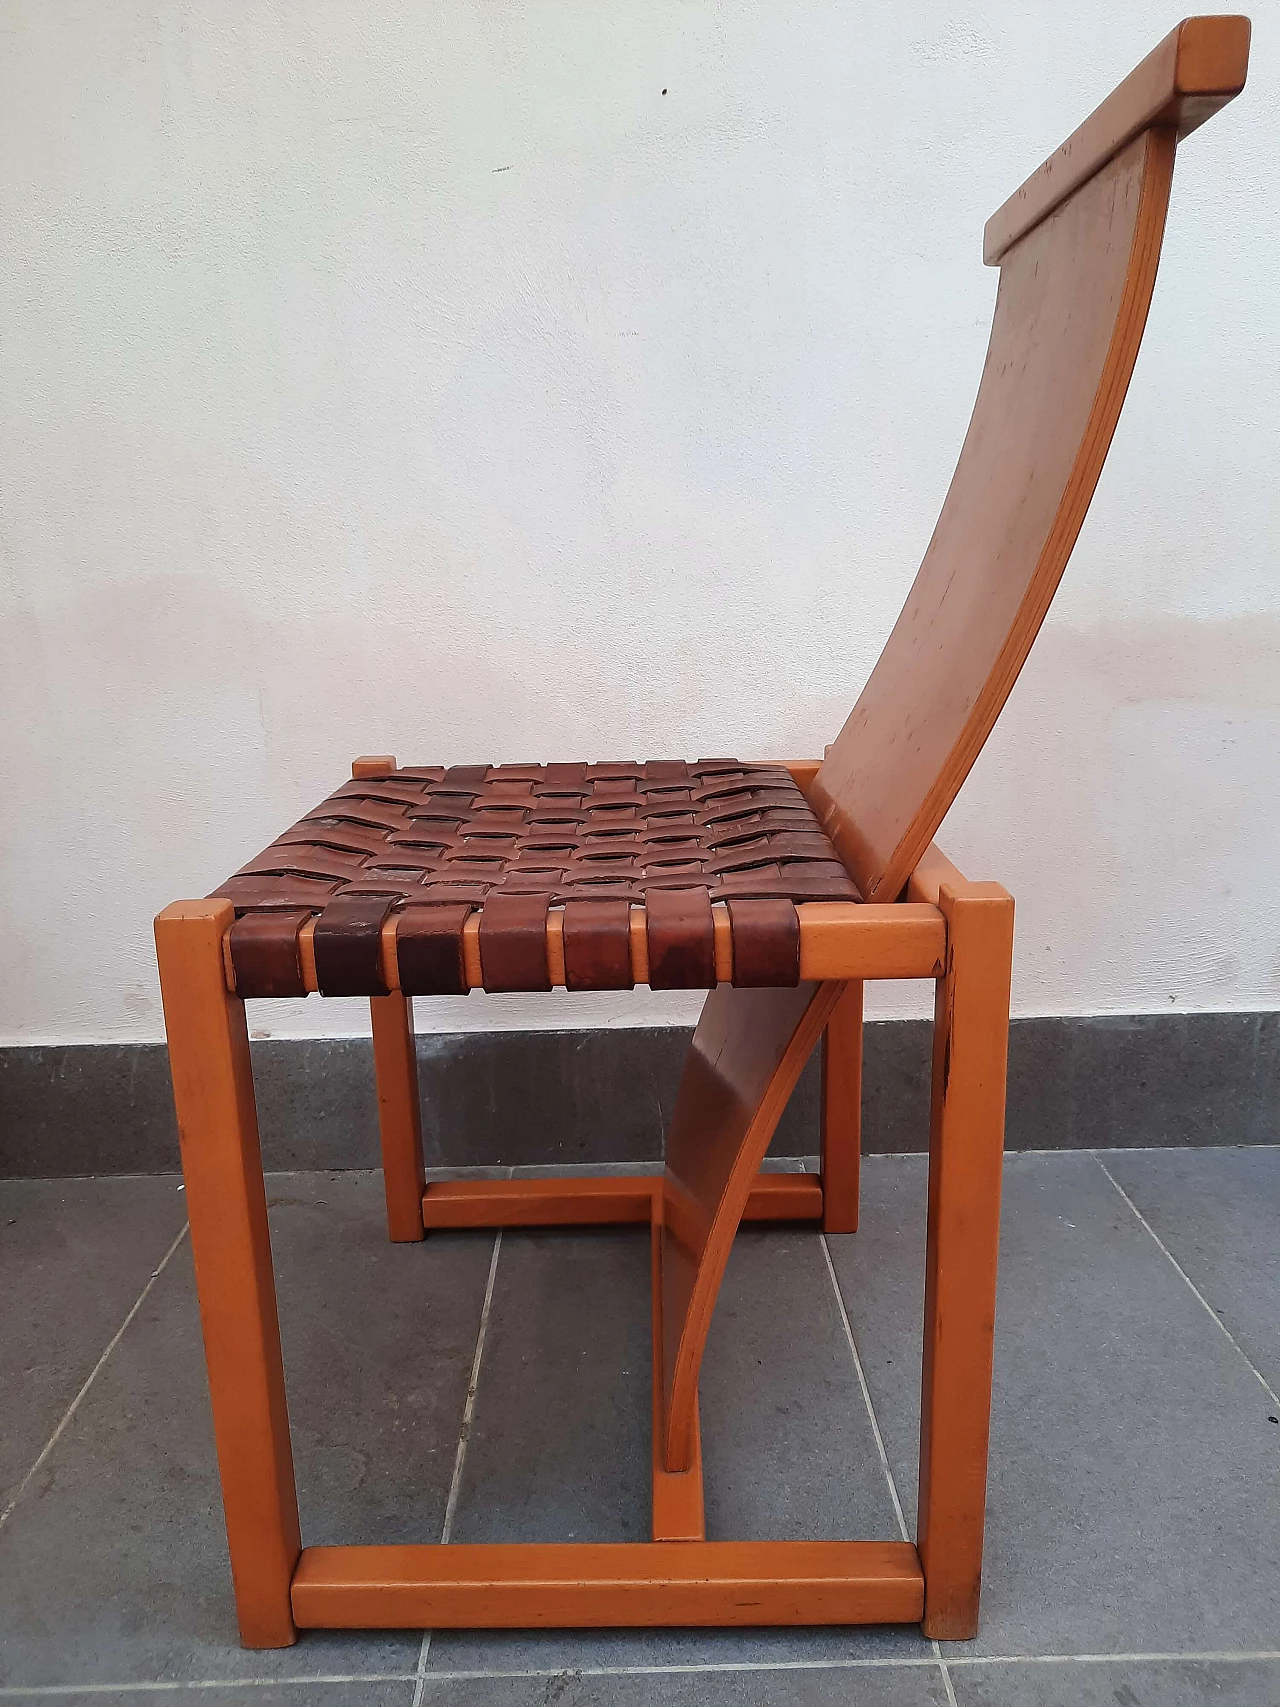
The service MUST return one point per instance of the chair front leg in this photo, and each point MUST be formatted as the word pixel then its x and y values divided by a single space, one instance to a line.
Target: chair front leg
pixel 966 1152
pixel 227 1211
pixel 842 1112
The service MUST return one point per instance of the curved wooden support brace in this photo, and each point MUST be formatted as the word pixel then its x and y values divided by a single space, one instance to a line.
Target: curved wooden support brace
pixel 743 1065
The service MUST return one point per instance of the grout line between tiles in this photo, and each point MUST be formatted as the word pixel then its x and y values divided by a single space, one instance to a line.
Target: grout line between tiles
pixel 916 1662
pixel 594 1167
pixel 468 1410
pixel 880 1446
pixel 1206 1656
pixel 460 1456
pixel 1226 1656
pixel 1195 1290
pixel 75 1404
pixel 946 1677
pixel 866 1391
pixel 46 1691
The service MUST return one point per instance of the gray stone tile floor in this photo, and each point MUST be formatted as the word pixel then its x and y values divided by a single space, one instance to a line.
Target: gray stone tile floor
pixel 1133 1532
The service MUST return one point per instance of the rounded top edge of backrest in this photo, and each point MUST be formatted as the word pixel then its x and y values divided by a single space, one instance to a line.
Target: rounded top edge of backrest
pixel 1199 66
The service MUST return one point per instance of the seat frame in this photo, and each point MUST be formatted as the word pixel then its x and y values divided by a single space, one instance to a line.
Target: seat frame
pixel 959 934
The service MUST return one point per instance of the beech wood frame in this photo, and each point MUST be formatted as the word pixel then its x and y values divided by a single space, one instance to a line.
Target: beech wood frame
pixel 1078 246
pixel 956 932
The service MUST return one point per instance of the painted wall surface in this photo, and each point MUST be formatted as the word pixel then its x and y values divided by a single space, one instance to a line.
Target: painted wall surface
pixel 567 378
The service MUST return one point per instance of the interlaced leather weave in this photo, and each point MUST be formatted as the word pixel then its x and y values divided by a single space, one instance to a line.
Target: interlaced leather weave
pixel 470 835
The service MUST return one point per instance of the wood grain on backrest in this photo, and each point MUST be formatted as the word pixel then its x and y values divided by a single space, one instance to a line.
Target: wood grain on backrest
pixel 1077 247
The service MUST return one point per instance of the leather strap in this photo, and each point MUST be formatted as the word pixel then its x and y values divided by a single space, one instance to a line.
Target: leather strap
pixel 615 832
pixel 348 945
pixel 682 941
pixel 513 941
pixel 465 776
pixel 766 944
pixel 597 945
pixel 264 953
pixel 429 950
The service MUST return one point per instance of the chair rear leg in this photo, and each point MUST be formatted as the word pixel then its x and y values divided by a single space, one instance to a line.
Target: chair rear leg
pixel 395 1066
pixel 227 1211
pixel 966 1152
pixel 842 1112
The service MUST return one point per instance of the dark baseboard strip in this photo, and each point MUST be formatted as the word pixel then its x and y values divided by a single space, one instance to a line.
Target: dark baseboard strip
pixel 526 1098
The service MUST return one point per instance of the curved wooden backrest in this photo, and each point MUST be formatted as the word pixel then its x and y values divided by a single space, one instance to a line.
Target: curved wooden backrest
pixel 1077 248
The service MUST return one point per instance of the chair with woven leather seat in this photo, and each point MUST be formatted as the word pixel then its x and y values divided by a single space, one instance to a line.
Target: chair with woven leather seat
pixel 777 888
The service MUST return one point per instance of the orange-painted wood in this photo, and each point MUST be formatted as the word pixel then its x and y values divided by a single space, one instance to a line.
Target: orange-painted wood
pixel 227 1209
pixel 966 1152
pixel 933 869
pixel 1078 247
pixel 802 772
pixel 843 939
pixel 742 1065
pixel 373 764
pixel 1069 317
pixel 678 1509
pixel 838 939
pixel 586 1585
pixel 1198 67
pixel 395 1067
pixel 842 1112
pixel 610 1200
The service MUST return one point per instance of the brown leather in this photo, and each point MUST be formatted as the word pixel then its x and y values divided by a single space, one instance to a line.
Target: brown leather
pixel 766 944
pixel 605 831
pixel 264 953
pixel 613 831
pixel 513 941
pixel 348 942
pixel 682 940
pixel 597 945
pixel 429 950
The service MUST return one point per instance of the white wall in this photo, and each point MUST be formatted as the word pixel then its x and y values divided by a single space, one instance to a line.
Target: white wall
pixel 424 379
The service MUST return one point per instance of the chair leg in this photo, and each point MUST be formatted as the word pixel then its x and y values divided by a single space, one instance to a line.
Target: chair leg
pixel 966 1151
pixel 395 1066
pixel 227 1210
pixel 842 1112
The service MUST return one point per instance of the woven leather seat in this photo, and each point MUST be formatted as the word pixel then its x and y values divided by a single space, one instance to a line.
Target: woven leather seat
pixel 435 844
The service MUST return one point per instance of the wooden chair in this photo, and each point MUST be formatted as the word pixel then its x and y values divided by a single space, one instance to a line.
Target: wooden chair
pixel 779 889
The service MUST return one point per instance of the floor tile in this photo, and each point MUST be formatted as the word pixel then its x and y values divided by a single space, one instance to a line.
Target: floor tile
pixel 560 1435
pixel 560 1442
pixel 1134 1500
pixel 787 1443
pixel 113 1566
pixel 74 1256
pixel 828 1686
pixel 1120 1683
pixel 1218 1212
